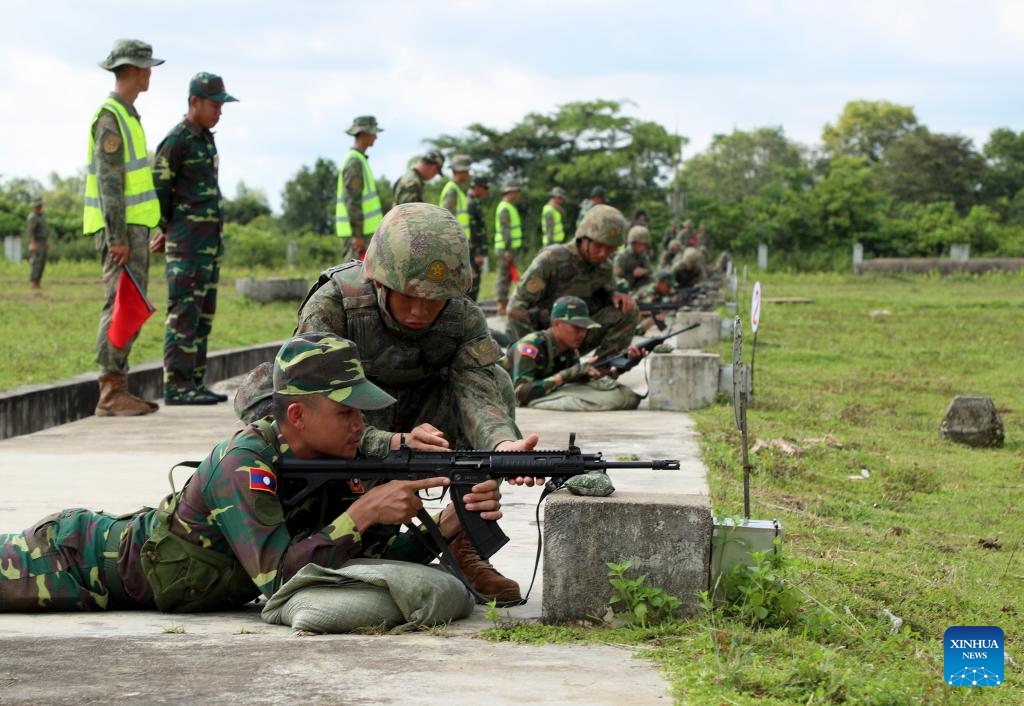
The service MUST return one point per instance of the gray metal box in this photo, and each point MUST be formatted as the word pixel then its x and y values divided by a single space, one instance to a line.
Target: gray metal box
pixel 732 542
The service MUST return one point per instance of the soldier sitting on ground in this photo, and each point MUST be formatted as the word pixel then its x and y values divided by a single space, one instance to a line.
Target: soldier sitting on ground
pixel 226 537
pixel 547 372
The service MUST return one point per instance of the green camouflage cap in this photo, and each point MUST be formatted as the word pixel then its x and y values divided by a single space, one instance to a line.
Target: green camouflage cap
pixel 664 276
pixel 639 234
pixel 420 250
pixel 322 364
pixel 558 193
pixel 461 163
pixel 603 224
pixel 364 123
pixel 434 157
pixel 130 51
pixel 211 86
pixel 573 310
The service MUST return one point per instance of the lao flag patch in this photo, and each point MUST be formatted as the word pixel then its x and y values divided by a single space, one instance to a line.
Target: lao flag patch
pixel 528 350
pixel 262 479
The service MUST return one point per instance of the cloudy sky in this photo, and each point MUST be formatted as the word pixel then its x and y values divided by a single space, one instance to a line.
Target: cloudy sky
pixel 303 69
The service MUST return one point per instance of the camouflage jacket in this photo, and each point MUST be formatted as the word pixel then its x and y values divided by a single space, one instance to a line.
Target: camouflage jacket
pixel 534 361
pixel 478 242
pixel 457 350
pixel 231 505
pixel 185 177
pixel 625 262
pixel 409 189
pixel 36 228
pixel 557 271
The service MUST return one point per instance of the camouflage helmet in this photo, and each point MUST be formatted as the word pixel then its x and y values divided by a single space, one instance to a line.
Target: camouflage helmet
pixel 420 250
pixel 639 234
pixel 692 258
pixel 603 224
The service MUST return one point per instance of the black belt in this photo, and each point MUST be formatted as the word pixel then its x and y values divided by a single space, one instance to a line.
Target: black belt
pixel 111 575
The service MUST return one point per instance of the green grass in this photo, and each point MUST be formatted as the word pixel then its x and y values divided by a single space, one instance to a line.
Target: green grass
pixel 51 334
pixel 903 540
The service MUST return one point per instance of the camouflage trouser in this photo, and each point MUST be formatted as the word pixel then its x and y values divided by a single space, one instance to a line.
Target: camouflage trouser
pixel 601 395
pixel 56 564
pixel 435 402
pixel 38 262
pixel 111 359
pixel 504 276
pixel 474 290
pixel 615 334
pixel 191 305
pixel 345 250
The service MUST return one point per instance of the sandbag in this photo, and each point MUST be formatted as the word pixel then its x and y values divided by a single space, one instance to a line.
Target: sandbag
pixel 366 593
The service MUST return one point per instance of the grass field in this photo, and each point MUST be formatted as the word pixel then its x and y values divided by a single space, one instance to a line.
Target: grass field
pixel 858 380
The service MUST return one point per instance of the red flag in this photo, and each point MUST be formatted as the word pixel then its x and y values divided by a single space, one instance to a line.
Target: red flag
pixel 131 309
pixel 513 272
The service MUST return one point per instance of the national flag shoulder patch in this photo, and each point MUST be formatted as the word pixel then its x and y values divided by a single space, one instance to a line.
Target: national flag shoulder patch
pixel 528 350
pixel 262 479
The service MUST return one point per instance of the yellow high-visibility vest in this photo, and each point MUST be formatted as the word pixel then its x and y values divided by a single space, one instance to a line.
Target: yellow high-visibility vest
pixel 373 214
pixel 559 232
pixel 141 204
pixel 515 228
pixel 461 204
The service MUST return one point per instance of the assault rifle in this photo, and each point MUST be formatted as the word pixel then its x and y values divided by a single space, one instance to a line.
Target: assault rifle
pixel 465 469
pixel 620 362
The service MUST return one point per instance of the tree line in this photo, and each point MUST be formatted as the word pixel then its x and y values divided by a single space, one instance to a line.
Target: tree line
pixel 878 177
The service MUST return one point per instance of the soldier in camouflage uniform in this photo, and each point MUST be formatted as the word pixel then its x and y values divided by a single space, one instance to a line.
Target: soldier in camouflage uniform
pixel 226 538
pixel 38 242
pixel 634 263
pixel 409 188
pixel 660 291
pixel 581 268
pixel 477 232
pixel 597 198
pixel 547 371
pixel 425 343
pixel 191 222
pixel 120 209
pixel 689 268
pixel 358 209
pixel 553 218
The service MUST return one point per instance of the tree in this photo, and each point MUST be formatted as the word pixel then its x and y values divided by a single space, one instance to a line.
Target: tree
pixel 308 199
pixel 926 167
pixel 579 146
pixel 1004 173
pixel 848 204
pixel 867 129
pixel 247 205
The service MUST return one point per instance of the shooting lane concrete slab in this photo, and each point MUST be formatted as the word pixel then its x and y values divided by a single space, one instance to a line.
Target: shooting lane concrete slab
pixel 121 464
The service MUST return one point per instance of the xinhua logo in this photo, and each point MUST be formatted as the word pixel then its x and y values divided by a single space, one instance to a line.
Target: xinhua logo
pixel 973 655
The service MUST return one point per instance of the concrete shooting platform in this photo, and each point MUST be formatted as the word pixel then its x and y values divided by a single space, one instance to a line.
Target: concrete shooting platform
pixel 121 464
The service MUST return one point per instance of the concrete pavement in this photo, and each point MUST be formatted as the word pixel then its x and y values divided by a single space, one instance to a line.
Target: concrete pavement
pixel 121 464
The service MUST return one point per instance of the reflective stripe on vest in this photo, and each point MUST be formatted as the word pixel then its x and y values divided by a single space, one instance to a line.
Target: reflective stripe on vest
pixel 372 212
pixel 141 204
pixel 559 231
pixel 515 228
pixel 461 212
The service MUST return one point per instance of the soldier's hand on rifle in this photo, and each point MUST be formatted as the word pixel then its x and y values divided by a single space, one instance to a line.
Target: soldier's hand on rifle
pixel 391 503
pixel 624 302
pixel 527 444
pixel 484 498
pixel 424 437
pixel 634 352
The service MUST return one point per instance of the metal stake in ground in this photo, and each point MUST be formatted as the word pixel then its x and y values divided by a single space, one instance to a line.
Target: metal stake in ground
pixel 739 405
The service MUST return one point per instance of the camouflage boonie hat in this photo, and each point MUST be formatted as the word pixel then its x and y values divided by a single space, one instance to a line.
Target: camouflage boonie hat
pixel 210 86
pixel 130 51
pixel 664 276
pixel 420 250
pixel 434 157
pixel 603 224
pixel 322 364
pixel 461 163
pixel 573 310
pixel 558 193
pixel 510 185
pixel 639 234
pixel 37 201
pixel 364 123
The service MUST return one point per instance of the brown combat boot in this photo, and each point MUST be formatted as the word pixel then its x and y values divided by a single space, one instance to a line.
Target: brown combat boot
pixel 116 402
pixel 481 573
